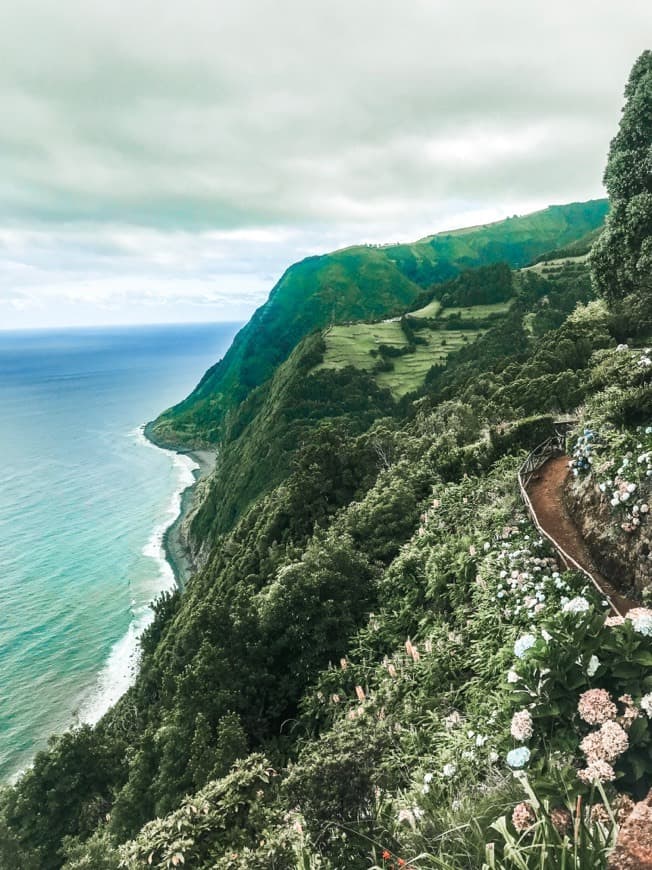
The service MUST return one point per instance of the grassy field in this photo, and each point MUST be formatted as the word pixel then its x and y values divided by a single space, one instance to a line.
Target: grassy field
pixel 351 345
pixel 410 370
pixel 561 263
pixel 432 309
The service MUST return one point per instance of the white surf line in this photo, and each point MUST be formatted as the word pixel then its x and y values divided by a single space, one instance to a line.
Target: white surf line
pixel 121 668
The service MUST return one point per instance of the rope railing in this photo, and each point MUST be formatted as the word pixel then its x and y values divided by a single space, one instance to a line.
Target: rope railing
pixel 549 449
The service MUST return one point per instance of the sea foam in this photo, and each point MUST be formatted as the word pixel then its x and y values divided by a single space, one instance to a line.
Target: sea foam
pixel 121 668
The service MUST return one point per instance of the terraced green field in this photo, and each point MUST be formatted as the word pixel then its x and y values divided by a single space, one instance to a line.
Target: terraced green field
pixel 351 345
pixel 472 312
pixel 561 263
pixel 410 370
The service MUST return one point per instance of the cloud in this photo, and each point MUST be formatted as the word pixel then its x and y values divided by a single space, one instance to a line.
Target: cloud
pixel 252 130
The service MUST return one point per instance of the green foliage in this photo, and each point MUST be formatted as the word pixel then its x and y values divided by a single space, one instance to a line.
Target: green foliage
pixel 334 783
pixel 225 818
pixel 483 286
pixel 301 419
pixel 99 852
pixel 622 257
pixel 579 248
pixel 66 793
pixel 523 434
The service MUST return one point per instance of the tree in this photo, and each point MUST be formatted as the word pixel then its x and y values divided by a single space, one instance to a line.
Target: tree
pixel 621 259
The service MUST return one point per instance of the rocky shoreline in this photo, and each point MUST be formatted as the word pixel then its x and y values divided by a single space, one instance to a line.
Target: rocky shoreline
pixel 175 542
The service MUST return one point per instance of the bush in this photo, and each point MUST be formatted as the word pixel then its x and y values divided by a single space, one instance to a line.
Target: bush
pixel 523 434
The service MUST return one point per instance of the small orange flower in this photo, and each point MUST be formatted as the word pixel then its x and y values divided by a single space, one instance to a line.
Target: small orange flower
pixel 401 862
pixel 386 855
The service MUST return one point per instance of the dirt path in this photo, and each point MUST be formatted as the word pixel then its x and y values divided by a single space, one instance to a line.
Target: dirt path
pixel 545 491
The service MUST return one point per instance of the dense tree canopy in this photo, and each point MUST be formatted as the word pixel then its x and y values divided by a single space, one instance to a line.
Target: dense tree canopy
pixel 622 257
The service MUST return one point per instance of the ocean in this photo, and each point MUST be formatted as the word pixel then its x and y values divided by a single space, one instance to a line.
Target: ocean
pixel 84 502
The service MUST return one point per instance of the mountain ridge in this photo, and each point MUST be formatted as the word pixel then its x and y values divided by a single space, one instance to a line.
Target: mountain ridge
pixel 357 283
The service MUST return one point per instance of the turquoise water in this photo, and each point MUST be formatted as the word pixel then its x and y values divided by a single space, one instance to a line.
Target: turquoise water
pixel 84 501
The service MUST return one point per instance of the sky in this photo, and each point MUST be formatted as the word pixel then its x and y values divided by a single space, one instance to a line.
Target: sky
pixel 167 160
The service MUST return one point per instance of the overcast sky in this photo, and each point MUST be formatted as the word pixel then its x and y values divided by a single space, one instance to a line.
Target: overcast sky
pixel 166 160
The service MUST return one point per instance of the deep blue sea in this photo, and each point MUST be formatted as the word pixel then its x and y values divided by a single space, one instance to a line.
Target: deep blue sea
pixel 84 501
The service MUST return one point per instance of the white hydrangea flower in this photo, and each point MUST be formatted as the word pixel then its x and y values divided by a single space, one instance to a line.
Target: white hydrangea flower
pixel 646 704
pixel 641 620
pixel 579 604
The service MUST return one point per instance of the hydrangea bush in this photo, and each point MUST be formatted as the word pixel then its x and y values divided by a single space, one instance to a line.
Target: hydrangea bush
pixel 585 683
pixel 620 461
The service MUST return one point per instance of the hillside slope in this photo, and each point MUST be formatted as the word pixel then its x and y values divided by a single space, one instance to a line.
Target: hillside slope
pixel 351 632
pixel 358 283
pixel 351 543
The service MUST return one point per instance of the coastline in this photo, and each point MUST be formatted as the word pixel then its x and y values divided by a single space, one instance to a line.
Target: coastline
pixel 167 546
pixel 174 546
pixel 176 551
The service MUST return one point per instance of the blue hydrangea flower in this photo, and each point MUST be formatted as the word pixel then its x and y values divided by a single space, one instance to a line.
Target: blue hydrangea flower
pixel 523 644
pixel 518 758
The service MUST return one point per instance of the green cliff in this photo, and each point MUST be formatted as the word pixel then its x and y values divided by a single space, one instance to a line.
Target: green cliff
pixel 359 283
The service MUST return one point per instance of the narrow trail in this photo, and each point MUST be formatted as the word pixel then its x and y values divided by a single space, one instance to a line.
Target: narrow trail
pixel 545 492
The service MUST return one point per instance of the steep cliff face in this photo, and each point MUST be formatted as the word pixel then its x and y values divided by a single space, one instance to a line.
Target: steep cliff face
pixel 196 549
pixel 623 557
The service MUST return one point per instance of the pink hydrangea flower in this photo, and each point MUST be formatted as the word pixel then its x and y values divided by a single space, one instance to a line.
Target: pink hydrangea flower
pixel 592 747
pixel 614 621
pixel 614 740
pixel 523 816
pixel 606 744
pixel 596 706
pixel 521 727
pixel 597 771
